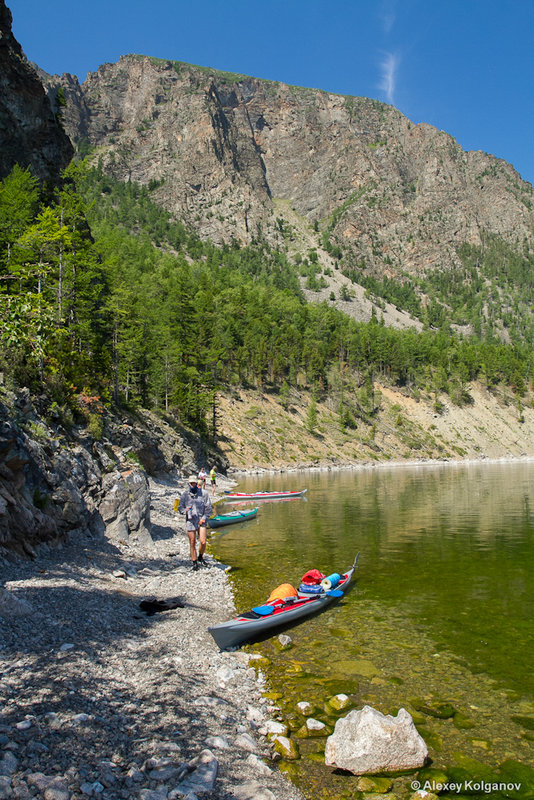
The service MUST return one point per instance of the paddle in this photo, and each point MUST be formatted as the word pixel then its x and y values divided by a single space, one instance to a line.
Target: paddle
pixel 237 511
pixel 246 514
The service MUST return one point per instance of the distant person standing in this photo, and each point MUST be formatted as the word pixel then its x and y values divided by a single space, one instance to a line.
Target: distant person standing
pixel 195 503
pixel 213 480
pixel 202 475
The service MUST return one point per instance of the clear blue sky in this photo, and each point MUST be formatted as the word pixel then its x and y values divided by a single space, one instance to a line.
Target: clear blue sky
pixel 465 66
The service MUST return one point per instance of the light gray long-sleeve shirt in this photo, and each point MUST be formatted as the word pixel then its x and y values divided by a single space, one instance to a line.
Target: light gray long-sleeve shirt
pixel 196 507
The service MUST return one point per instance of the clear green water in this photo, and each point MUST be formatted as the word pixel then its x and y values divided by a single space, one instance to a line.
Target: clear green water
pixel 442 609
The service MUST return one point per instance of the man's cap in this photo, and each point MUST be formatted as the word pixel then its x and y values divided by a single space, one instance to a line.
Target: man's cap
pixel 192 479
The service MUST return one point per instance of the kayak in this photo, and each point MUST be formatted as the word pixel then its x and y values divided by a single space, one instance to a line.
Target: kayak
pixel 261 620
pixel 262 495
pixel 233 516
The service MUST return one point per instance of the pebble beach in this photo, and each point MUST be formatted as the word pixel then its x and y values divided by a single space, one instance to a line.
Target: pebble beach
pixel 99 699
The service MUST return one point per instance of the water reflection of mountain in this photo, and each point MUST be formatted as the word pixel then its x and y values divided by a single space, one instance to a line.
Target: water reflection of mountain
pixel 450 547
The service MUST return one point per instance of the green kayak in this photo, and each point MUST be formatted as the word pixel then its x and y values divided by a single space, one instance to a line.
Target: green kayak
pixel 234 516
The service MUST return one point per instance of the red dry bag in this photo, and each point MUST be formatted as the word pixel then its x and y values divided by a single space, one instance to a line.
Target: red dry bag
pixel 312 577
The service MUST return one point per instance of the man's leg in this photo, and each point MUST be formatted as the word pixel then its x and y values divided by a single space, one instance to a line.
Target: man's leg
pixel 202 537
pixel 192 544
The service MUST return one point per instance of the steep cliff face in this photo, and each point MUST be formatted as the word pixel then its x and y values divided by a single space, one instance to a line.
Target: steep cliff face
pixel 30 134
pixel 73 109
pixel 219 149
pixel 178 128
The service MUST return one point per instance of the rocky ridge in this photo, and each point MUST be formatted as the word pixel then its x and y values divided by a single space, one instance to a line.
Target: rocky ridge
pixel 30 134
pixel 219 149
pixel 262 434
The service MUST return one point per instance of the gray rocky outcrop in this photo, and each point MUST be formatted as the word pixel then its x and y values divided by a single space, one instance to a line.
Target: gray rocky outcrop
pixel 393 195
pixel 125 508
pixel 55 482
pixel 23 525
pixel 366 741
pixel 74 114
pixel 30 133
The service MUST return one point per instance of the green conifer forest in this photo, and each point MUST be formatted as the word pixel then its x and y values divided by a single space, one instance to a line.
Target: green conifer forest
pixel 102 292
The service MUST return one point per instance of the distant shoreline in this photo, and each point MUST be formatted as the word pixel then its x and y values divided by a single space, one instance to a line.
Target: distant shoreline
pixel 424 462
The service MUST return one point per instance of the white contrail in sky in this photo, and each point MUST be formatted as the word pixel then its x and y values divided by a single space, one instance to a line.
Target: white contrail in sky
pixel 389 66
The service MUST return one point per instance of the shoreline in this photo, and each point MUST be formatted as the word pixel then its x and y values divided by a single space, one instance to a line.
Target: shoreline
pixel 356 467
pixel 100 700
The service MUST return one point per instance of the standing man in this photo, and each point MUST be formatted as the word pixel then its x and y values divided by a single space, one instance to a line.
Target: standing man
pixel 195 503
pixel 213 480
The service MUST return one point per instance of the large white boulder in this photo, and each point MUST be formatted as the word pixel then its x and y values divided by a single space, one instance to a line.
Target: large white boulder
pixel 367 741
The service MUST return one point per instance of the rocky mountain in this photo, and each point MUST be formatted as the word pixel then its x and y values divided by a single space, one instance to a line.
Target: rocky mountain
pixel 30 133
pixel 348 184
pixel 228 153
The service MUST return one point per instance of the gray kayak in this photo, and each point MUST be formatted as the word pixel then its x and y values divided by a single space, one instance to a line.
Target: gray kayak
pixel 260 621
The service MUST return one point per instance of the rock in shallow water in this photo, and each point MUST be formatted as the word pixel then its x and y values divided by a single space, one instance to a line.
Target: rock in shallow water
pixel 274 728
pixel 367 741
pixel 285 747
pixel 340 702
pixel 305 708
pixel 313 728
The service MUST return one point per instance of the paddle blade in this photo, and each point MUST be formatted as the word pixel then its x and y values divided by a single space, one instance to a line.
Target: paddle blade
pixel 335 593
pixel 264 611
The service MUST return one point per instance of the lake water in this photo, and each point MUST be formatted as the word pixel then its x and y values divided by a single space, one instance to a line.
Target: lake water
pixel 441 612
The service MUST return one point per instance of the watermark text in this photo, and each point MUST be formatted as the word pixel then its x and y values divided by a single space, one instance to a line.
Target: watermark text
pixel 480 786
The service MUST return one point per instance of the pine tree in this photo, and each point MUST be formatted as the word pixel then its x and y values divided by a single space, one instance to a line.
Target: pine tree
pixel 311 416
pixel 19 197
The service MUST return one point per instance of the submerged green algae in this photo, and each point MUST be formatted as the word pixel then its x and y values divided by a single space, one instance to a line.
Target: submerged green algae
pixel 435 689
pixel 421 629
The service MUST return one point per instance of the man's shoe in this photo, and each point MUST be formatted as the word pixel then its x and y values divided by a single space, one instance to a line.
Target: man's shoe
pixel 202 562
pixel 195 566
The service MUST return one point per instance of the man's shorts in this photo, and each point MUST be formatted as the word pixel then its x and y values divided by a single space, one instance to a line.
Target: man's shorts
pixel 194 526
